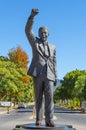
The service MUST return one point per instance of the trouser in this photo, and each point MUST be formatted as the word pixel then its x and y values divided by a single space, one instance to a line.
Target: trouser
pixel 43 86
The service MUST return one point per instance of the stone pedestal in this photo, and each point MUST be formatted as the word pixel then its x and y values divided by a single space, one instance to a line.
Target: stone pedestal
pixel 43 127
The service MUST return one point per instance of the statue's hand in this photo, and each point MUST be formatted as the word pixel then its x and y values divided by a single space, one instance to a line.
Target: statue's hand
pixel 34 12
pixel 55 82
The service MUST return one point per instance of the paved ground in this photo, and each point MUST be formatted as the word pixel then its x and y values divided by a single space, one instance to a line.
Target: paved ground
pixel 76 120
pixel 4 110
pixel 10 120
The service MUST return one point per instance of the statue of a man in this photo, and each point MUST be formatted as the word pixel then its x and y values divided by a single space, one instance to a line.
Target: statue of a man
pixel 42 69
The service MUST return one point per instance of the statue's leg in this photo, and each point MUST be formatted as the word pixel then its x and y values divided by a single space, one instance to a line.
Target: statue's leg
pixel 38 97
pixel 49 105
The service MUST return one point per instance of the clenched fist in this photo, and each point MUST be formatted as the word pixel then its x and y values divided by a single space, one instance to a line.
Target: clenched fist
pixel 34 12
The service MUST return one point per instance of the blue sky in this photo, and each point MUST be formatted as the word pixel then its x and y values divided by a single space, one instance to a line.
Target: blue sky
pixel 66 20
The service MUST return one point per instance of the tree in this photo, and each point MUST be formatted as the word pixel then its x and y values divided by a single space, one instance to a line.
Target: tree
pixel 80 88
pixel 18 56
pixel 14 82
pixel 69 82
pixel 2 58
pixel 73 86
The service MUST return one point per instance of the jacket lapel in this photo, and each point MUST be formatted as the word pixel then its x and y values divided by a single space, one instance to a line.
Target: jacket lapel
pixel 40 48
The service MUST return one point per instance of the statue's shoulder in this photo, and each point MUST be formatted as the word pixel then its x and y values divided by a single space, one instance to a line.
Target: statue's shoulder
pixel 37 41
pixel 51 45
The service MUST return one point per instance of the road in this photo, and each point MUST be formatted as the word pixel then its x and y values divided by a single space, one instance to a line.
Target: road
pixel 77 120
pixel 9 121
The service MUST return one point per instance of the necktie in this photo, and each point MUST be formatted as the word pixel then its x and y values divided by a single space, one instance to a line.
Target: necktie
pixel 46 50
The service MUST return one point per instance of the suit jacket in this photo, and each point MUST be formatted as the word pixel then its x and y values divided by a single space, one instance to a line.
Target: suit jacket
pixel 39 60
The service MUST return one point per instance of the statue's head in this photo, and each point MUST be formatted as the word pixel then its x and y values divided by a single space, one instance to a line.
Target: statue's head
pixel 43 33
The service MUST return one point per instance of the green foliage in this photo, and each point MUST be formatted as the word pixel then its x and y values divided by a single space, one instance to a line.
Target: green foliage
pixel 80 86
pixel 59 93
pixel 14 82
pixel 2 58
pixel 73 87
pixel 74 103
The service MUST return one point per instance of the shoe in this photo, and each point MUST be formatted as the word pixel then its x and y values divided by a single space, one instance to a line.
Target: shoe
pixel 38 122
pixel 50 124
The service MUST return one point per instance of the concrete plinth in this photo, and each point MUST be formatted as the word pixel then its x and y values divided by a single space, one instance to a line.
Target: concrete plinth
pixel 43 127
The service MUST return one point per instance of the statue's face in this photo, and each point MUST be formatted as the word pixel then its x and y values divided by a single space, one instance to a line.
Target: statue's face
pixel 43 34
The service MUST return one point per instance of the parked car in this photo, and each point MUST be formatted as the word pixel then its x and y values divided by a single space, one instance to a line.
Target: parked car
pixel 21 105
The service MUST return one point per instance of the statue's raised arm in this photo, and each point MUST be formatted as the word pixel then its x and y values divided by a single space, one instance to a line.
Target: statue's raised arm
pixel 28 29
pixel 34 12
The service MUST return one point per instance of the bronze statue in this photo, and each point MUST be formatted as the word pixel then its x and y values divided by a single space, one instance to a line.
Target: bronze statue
pixel 42 69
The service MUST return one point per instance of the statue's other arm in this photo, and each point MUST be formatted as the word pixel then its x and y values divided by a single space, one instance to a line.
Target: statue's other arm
pixel 29 24
pixel 55 69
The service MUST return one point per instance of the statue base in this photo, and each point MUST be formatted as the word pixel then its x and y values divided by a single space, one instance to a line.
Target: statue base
pixel 43 127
